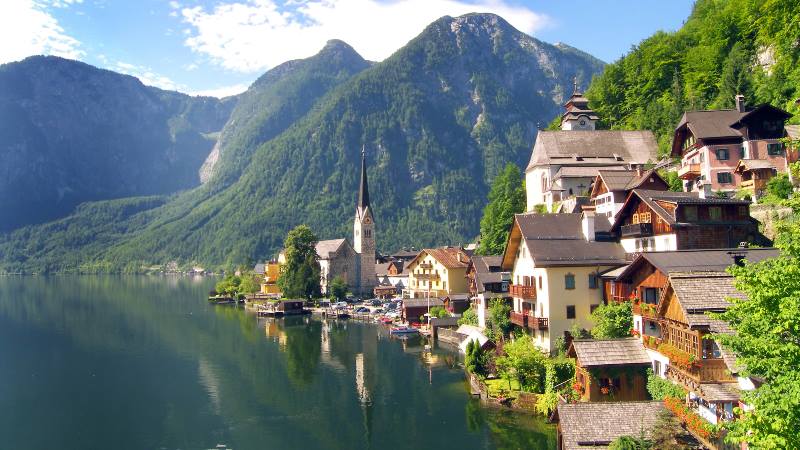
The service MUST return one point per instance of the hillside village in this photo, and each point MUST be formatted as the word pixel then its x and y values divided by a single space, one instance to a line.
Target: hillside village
pixel 602 227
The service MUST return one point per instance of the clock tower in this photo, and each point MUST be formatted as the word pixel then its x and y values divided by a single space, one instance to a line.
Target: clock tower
pixel 364 235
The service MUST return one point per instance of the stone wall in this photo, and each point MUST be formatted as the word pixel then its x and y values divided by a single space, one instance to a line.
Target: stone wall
pixel 768 215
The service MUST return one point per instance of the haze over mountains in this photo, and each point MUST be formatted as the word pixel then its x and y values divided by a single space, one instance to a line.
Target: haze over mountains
pixel 438 120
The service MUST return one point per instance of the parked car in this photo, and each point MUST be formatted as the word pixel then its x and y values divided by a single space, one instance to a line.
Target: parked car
pixel 377 311
pixel 376 302
pixel 341 305
pixel 362 309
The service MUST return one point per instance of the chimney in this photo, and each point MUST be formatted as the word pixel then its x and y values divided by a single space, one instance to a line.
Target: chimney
pixel 639 170
pixel 587 225
pixel 740 103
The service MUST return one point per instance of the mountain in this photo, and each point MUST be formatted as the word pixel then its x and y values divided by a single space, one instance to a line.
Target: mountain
pixel 438 120
pixel 71 133
pixel 725 47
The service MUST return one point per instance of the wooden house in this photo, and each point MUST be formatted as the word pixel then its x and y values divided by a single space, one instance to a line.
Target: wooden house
pixel 610 369
pixel 611 188
pixel 415 308
pixel 665 221
pixel 595 426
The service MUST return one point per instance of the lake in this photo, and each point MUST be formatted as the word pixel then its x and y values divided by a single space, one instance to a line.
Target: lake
pixel 146 363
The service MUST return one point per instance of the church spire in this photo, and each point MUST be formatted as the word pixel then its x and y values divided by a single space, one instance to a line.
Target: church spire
pixel 363 191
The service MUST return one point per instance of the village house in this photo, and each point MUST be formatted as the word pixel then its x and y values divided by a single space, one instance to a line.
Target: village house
pixel 555 264
pixel 487 281
pixel 610 369
pixel 414 310
pixel 270 271
pixel 612 187
pixel 564 163
pixel 727 149
pixel 438 273
pixel 665 220
pixel 583 426
pixel 391 279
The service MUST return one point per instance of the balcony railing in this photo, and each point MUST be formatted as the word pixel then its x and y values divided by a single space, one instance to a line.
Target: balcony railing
pixel 519 319
pixel 425 265
pixel 426 276
pixel 689 171
pixel 637 230
pixel 524 292
pixel 747 184
pixel 538 323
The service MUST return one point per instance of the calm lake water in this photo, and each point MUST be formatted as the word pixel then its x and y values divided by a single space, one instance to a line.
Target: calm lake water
pixel 146 363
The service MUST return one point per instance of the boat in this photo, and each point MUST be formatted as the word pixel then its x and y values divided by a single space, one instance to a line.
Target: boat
pixel 403 329
pixel 386 320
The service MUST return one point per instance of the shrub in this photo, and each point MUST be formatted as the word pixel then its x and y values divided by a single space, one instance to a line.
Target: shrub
pixel 469 317
pixel 659 388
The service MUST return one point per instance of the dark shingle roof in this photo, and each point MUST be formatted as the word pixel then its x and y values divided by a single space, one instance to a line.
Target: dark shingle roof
pixel 703 292
pixel 550 226
pixel 720 392
pixel 596 425
pixel 793 131
pixel 609 352
pixel 418 302
pixel 617 180
pixel 716 260
pixel 711 124
pixel 259 268
pixel 487 270
pixel 596 147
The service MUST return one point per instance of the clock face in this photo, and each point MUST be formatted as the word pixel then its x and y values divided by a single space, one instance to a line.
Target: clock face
pixel 367 221
pixel 583 123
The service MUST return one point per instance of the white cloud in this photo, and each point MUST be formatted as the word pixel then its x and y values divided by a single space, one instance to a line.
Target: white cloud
pixel 147 76
pixel 221 92
pixel 253 35
pixel 27 28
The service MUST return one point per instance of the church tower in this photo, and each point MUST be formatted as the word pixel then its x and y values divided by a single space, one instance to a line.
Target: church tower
pixel 364 235
pixel 578 115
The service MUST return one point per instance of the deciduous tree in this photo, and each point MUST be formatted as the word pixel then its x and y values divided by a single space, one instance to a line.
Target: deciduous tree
pixel 506 198
pixel 300 276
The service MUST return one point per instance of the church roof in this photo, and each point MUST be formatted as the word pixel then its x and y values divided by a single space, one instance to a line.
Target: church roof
pixel 325 249
pixel 593 148
pixel 363 190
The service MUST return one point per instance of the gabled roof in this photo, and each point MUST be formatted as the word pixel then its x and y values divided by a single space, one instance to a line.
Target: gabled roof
pixel 651 199
pixel 382 269
pixel 593 148
pixel 325 249
pixel 446 256
pixel 716 260
pixel 259 269
pixel 699 293
pixel 558 240
pixel 487 271
pixel 609 352
pixel 593 426
pixel 753 164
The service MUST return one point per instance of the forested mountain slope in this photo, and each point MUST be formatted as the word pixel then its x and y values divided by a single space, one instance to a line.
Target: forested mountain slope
pixel 726 47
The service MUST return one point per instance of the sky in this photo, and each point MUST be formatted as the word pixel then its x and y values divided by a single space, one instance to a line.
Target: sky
pixel 219 47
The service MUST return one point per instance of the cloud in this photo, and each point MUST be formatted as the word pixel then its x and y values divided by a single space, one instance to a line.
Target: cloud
pixel 253 35
pixel 27 28
pixel 147 76
pixel 221 92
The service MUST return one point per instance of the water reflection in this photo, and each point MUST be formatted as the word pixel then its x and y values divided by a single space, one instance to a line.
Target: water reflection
pixel 145 362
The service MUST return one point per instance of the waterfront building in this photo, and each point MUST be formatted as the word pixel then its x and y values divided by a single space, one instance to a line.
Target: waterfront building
pixel 719 148
pixel 610 369
pixel 564 163
pixel 596 425
pixel 555 263
pixel 437 272
pixel 665 220
pixel 414 309
pixel 270 271
pixel 487 281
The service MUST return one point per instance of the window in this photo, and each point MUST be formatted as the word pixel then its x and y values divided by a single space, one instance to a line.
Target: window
pixel 569 281
pixel 570 311
pixel 724 177
pixel 723 154
pixel 540 281
pixel 444 285
pixel 775 149
pixel 742 153
pixel 651 296
pixel 715 213
pixel 690 212
pixel 592 308
pixel 592 281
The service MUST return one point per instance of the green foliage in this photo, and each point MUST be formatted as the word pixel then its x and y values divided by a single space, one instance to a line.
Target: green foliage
pixel 469 317
pixel 475 358
pixel 525 363
pixel 506 198
pixel 546 403
pixel 703 65
pixel 779 187
pixel 498 320
pixel 577 332
pixel 338 288
pixel 558 370
pixel 250 283
pixel 228 285
pixel 439 312
pixel 629 443
pixel 767 343
pixel 614 320
pixel 300 275
pixel 673 181
pixel 659 388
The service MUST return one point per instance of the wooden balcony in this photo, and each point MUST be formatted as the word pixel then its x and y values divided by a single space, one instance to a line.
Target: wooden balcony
pixel 519 319
pixel 425 266
pixel 689 171
pixel 637 230
pixel 706 371
pixel 426 276
pixel 538 323
pixel 747 184
pixel 523 292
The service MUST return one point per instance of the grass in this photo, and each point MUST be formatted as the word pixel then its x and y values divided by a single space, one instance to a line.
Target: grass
pixel 498 385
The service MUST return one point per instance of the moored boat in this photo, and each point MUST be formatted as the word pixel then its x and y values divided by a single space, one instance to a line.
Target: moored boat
pixel 403 329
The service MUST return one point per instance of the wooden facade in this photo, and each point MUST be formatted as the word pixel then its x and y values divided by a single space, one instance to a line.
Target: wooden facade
pixel 612 383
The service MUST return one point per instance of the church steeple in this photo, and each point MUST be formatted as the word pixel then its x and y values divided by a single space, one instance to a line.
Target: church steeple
pixel 363 189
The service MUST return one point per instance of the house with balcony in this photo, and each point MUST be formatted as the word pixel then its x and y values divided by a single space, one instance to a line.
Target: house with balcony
pixel 712 144
pixel 644 281
pixel 609 370
pixel 612 187
pixel 487 281
pixel 564 163
pixel 437 273
pixel 555 262
pixel 668 221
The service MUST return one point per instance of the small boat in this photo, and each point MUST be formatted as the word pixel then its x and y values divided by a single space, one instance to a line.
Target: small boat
pixel 386 320
pixel 403 329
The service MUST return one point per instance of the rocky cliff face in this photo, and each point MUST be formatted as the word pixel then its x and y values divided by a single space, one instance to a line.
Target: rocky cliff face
pixel 70 133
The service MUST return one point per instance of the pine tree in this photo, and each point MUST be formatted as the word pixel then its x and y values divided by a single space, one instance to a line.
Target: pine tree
pixel 506 198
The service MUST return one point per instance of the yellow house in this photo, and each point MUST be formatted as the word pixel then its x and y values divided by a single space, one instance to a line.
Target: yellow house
pixel 555 265
pixel 437 272
pixel 272 271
